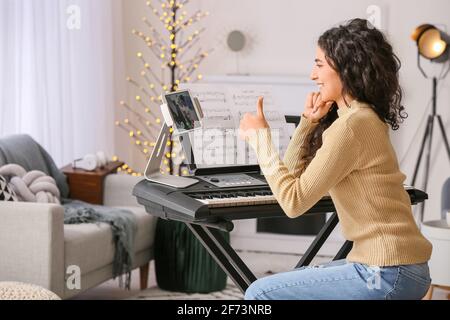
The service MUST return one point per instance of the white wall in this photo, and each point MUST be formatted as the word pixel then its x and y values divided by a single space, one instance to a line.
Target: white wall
pixel 284 35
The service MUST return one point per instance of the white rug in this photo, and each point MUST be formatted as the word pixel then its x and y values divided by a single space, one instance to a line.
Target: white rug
pixel 261 263
pixel 231 292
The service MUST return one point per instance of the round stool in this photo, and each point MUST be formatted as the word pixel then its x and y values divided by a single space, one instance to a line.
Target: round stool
pixel 24 291
pixel 438 233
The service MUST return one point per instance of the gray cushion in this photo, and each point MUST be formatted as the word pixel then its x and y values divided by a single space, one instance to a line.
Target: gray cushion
pixel 90 246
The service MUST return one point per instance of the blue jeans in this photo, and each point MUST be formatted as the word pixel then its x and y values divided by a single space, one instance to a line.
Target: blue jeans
pixel 342 280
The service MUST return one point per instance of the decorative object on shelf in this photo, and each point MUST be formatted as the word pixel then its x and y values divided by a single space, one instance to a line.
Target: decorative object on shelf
pixel 432 44
pixel 90 162
pixel 173 56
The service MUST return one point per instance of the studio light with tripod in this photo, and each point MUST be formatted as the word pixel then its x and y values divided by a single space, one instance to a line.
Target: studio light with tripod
pixel 432 44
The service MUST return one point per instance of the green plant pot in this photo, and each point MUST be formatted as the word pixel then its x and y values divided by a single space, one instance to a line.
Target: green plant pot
pixel 182 264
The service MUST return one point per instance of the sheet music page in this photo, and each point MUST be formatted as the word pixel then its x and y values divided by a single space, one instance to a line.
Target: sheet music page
pixel 245 99
pixel 218 143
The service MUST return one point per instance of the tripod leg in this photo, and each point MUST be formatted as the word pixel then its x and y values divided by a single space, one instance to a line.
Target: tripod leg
pixel 444 135
pixel 422 147
pixel 427 166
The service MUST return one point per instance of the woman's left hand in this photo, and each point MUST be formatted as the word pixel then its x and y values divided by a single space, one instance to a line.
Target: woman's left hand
pixel 250 122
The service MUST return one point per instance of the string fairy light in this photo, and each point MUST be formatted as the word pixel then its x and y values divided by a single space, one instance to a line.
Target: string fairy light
pixel 168 39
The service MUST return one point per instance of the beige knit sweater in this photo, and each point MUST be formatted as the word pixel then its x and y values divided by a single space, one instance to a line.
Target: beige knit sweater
pixel 357 166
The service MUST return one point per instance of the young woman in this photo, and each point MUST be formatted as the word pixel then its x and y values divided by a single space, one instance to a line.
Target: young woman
pixel 342 147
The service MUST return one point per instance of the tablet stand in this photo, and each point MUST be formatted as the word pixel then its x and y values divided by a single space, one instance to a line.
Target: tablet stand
pixel 153 170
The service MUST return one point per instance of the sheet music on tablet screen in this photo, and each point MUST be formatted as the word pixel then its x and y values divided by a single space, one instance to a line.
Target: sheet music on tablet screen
pixel 218 143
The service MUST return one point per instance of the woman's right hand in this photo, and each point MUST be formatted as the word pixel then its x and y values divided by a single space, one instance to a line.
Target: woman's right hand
pixel 315 108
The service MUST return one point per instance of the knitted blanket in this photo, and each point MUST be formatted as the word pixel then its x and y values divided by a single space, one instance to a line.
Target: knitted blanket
pixel 123 225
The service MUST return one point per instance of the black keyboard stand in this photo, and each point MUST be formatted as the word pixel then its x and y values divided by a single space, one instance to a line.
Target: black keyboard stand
pixel 227 258
pixel 224 255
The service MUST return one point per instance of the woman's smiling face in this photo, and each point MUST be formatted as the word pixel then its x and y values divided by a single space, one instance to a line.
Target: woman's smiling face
pixel 326 78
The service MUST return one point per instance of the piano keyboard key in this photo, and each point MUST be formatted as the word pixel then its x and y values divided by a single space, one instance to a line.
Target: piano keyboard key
pixel 238 201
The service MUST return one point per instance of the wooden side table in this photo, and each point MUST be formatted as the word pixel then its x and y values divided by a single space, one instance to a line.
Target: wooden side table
pixel 87 186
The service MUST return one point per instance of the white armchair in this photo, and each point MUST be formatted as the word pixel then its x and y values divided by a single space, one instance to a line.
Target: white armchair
pixel 36 247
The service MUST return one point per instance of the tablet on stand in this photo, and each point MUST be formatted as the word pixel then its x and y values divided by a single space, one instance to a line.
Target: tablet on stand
pixel 182 112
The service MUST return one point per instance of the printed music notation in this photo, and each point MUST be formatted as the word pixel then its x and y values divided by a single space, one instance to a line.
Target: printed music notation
pixel 248 98
pixel 271 116
pixel 211 96
pixel 218 142
pixel 218 114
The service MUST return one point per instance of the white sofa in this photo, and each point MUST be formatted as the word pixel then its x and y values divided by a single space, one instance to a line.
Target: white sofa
pixel 37 248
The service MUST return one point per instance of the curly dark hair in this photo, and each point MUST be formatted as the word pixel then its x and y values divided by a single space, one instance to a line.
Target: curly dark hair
pixel 368 70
